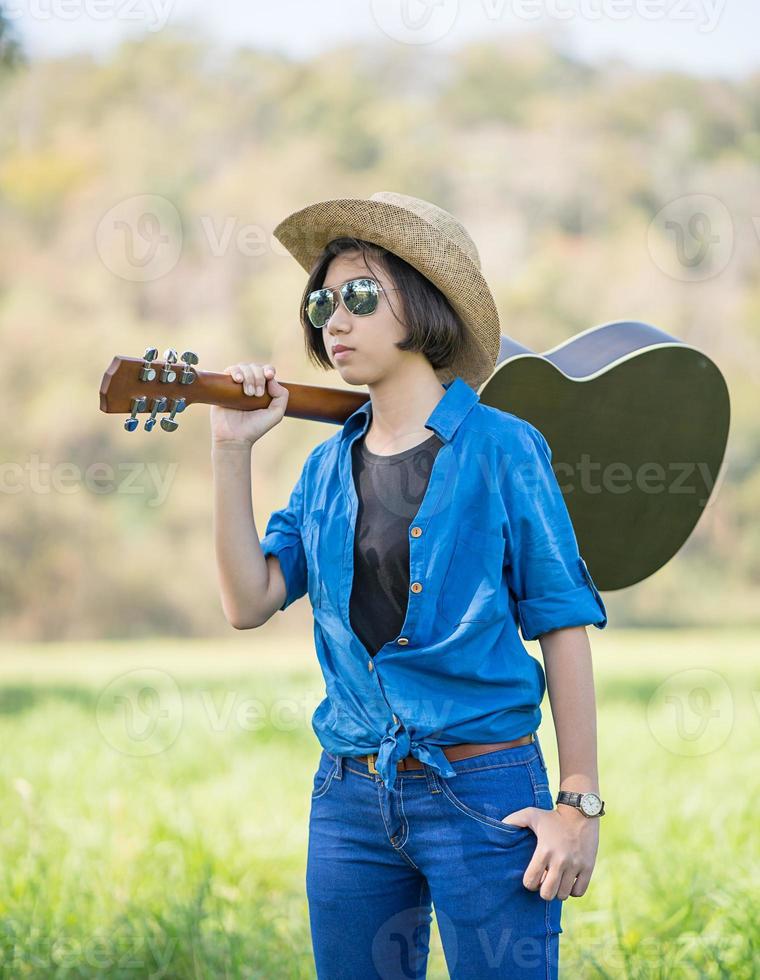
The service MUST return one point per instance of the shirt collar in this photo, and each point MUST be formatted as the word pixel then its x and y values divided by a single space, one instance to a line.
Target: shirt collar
pixel 444 420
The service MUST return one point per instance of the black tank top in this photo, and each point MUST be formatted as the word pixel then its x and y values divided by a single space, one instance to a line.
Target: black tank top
pixel 390 490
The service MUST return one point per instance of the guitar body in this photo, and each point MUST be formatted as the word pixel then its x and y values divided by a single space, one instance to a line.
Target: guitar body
pixel 637 421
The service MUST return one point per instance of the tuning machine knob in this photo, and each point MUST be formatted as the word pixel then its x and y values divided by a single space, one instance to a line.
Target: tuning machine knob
pixel 138 405
pixel 170 357
pixel 188 375
pixel 158 405
pixel 177 405
pixel 147 371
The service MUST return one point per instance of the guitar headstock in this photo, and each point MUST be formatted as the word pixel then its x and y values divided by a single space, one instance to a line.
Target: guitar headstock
pixel 134 385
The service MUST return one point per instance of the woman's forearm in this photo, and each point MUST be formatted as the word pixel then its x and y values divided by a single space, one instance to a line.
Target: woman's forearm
pixel 570 686
pixel 242 567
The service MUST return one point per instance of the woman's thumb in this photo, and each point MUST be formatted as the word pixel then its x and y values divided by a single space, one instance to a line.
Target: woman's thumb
pixel 278 392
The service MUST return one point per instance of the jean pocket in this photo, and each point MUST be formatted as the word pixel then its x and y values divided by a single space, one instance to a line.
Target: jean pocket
pixel 323 777
pixel 488 793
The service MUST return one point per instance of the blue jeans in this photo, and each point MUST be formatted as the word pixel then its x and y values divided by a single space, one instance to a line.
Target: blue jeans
pixel 377 861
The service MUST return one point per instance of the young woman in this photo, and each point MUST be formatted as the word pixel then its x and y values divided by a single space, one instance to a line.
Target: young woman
pixel 425 532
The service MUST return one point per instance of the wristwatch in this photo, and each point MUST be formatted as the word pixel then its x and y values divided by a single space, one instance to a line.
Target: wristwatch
pixel 590 804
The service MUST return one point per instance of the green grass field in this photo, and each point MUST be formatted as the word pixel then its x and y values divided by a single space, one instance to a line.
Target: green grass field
pixel 167 838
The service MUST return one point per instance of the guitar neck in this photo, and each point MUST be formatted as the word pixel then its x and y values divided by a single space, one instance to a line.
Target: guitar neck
pixel 122 384
pixel 311 402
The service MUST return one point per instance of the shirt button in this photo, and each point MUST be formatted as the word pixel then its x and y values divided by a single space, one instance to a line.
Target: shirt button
pixel 416 532
pixel 370 666
pixel 416 587
pixel 402 641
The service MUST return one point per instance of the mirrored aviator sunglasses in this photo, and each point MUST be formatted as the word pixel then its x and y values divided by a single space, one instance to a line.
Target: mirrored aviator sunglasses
pixel 360 297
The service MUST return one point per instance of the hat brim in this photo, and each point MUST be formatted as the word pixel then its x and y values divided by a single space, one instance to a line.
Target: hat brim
pixel 306 232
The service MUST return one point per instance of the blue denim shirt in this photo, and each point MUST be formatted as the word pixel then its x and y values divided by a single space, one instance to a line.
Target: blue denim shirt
pixel 491 548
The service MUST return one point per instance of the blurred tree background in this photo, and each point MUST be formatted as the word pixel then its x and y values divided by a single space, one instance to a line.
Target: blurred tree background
pixel 10 51
pixel 556 168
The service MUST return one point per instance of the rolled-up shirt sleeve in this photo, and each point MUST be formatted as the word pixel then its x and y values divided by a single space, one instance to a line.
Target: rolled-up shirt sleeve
pixel 548 577
pixel 283 539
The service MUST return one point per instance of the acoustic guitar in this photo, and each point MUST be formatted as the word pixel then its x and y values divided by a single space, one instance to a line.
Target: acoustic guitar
pixel 637 421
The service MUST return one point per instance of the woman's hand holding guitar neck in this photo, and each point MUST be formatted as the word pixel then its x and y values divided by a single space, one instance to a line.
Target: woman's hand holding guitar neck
pixel 230 425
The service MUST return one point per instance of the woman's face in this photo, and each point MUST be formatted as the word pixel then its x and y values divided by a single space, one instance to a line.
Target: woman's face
pixel 371 338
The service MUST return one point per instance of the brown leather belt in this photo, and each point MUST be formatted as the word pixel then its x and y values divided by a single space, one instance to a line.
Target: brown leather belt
pixel 464 750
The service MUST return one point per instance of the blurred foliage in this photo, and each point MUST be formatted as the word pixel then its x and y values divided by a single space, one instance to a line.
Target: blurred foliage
pixel 142 843
pixel 556 168
pixel 11 54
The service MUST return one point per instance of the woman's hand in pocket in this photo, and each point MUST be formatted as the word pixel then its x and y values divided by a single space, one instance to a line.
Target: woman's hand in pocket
pixel 564 858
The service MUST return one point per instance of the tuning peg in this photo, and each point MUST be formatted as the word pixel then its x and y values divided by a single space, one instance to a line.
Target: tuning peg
pixel 170 357
pixel 159 404
pixel 138 404
pixel 147 371
pixel 188 375
pixel 177 405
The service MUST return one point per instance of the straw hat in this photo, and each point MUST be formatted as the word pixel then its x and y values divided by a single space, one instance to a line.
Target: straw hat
pixel 425 236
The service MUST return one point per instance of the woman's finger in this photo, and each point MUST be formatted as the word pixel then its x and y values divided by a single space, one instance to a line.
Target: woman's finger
pixel 249 378
pixel 257 373
pixel 254 377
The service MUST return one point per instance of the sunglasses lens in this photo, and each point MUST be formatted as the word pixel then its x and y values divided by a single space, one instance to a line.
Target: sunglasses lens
pixel 360 296
pixel 319 307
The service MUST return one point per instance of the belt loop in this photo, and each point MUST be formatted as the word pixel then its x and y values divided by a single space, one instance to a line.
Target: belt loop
pixel 338 767
pixel 431 778
pixel 540 751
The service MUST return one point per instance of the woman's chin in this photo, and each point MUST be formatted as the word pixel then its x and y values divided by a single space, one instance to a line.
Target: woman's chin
pixel 353 375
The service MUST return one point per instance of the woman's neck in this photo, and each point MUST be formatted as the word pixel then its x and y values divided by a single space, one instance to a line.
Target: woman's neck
pixel 401 405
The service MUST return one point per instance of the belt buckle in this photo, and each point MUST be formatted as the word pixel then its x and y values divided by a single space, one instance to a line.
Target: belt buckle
pixel 371 762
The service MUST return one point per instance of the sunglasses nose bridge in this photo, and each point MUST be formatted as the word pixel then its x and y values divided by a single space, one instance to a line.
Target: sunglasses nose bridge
pixel 337 299
pixel 339 306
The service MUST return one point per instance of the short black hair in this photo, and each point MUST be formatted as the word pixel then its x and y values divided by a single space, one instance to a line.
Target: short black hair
pixel 433 327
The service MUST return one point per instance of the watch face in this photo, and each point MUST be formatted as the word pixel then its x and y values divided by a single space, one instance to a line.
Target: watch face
pixel 591 804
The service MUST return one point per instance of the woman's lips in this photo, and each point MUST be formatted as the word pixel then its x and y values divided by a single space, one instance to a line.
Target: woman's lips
pixel 340 354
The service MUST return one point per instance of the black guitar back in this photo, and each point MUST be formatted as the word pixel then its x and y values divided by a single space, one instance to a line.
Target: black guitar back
pixel 637 421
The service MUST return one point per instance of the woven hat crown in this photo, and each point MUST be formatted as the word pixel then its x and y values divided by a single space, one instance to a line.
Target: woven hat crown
pixel 444 222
